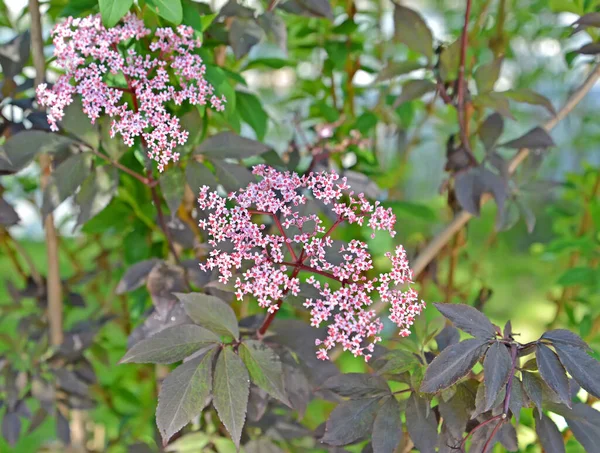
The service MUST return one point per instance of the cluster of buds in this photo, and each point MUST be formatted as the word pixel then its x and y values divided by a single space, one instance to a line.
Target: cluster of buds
pixel 270 265
pixel 104 67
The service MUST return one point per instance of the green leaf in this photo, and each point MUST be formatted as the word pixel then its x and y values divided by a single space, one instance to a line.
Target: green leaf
pixel 210 312
pixel 170 345
pixel 230 392
pixel 252 112
pixel 584 368
pixel 350 421
pixel 411 29
pixel 172 188
pixel 453 363
pixel 550 437
pixel 184 393
pixel 421 423
pixel 170 10
pixel 578 276
pixel 357 385
pixel 496 367
pixel 397 68
pixel 265 368
pixel 229 145
pixel 486 75
pixel 414 89
pixel 552 372
pixel 418 210
pixel 387 428
pixel 113 10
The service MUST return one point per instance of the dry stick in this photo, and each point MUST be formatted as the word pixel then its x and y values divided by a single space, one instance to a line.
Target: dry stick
pixel 54 290
pixel 463 217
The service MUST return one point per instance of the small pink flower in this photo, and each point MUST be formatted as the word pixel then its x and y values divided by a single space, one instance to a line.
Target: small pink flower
pixel 270 266
pixel 103 67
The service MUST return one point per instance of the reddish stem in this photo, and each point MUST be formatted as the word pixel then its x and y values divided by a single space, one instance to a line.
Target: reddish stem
pixel 271 316
pixel 478 427
pixel 281 230
pixel 489 441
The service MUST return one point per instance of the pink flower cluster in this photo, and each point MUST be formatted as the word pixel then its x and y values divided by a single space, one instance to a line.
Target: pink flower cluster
pixel 107 70
pixel 269 265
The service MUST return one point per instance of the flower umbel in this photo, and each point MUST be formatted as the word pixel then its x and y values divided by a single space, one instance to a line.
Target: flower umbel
pixel 271 265
pixel 105 68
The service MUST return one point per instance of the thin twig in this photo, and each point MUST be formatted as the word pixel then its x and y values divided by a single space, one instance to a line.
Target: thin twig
pixel 494 432
pixel 54 289
pixel 461 86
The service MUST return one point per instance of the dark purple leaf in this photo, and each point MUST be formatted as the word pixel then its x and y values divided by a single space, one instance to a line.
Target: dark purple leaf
pixel 8 216
pixel 553 373
pixel 583 367
pixel 171 345
pixel 198 175
pixel 310 8
pixel 517 398
pixel 297 386
pixel 136 276
pixel 243 35
pixel 491 130
pixel 411 29
pixel 14 55
pixel 468 319
pixel 496 367
pixel 184 393
pixel 63 430
pixel 592 48
pixel 421 424
pixel 447 337
pixel 589 20
pixel 456 410
pixel 584 421
pixel 229 145
pixel 232 176
pixel 507 436
pixel 495 101
pixel 535 138
pixel 96 193
pixel 211 312
pixel 397 68
pixel 470 185
pixel 38 418
pixel 21 148
pixel 452 364
pixel 550 437
pixel 231 388
pixel 357 385
pixel 532 384
pixel 265 368
pixel 480 403
pixel 396 362
pixel 565 337
pixel 172 188
pixel 351 421
pixel 258 401
pixel 262 445
pixel 70 383
pixel 387 428
pixel 11 427
pixel 486 75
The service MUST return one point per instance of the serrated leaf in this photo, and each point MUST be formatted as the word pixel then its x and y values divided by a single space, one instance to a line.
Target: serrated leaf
pixel 565 337
pixel 535 138
pixel 496 367
pixel 172 188
pixel 468 319
pixel 210 312
pixel 486 75
pixel 396 362
pixel 113 10
pixel 184 393
pixel 552 372
pixel 447 337
pixel 387 428
pixel 517 398
pixel 357 385
pixel 170 345
pixel 231 388
pixel 421 424
pixel 456 410
pixel 533 387
pixel 170 10
pixel 350 421
pixel 528 96
pixel 265 368
pixel 470 186
pixel 411 29
pixel 453 363
pixel 491 130
pixel 480 403
pixel 550 437
pixel 583 367
pixel 584 422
